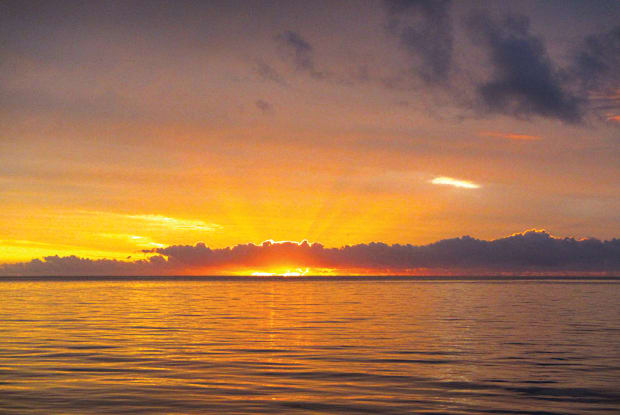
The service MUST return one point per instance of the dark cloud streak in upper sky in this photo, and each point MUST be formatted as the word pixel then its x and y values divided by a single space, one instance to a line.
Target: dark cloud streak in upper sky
pixel 301 52
pixel 424 29
pixel 597 61
pixel 524 81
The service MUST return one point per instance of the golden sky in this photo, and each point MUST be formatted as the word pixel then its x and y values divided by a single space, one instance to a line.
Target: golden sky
pixel 129 126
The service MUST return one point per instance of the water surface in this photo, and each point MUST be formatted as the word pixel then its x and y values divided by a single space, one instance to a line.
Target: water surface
pixel 288 346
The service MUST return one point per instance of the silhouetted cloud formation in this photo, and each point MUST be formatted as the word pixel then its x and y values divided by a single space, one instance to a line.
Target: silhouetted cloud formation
pixel 524 81
pixel 533 251
pixel 73 265
pixel 424 29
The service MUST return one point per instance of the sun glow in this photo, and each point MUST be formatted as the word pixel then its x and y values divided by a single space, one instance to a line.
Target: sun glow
pixel 288 273
pixel 284 272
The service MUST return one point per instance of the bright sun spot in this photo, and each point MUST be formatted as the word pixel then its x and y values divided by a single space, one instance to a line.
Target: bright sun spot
pixel 287 273
pixel 455 182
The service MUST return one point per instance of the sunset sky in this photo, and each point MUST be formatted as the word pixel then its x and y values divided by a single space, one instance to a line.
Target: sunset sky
pixel 138 133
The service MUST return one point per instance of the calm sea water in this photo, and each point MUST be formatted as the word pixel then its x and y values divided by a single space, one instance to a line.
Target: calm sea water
pixel 227 347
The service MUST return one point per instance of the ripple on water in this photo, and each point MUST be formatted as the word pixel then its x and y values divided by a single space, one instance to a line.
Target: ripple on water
pixel 195 347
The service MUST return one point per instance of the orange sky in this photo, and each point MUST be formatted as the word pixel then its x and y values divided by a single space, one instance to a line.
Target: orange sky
pixel 127 128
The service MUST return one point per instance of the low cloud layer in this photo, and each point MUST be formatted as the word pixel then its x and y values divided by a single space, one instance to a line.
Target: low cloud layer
pixel 531 252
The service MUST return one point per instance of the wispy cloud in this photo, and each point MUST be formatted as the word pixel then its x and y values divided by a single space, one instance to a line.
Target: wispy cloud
pixel 175 223
pixel 301 52
pixel 158 222
pixel 510 136
pixel 449 181
pixel 24 242
pixel 139 241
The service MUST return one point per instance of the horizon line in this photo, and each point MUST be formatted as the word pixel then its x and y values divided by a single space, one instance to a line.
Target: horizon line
pixel 482 278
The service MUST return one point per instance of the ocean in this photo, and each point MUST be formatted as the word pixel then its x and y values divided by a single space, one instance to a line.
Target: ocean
pixel 295 345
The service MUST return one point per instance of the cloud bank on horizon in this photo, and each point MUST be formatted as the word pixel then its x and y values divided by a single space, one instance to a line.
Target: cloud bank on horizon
pixel 531 252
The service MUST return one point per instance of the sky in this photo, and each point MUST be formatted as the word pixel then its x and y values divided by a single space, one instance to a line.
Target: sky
pixel 176 137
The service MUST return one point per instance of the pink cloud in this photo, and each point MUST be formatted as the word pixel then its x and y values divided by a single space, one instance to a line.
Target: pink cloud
pixel 510 136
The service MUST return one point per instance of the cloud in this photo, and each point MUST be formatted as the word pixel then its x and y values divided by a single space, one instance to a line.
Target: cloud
pixel 424 29
pixel 165 222
pixel 595 70
pixel 530 252
pixel 268 73
pixel 300 52
pixel 521 79
pixel 597 61
pixel 264 106
pixel 606 104
pixel 524 82
pixel 466 184
pixel 141 241
pixel 72 265
pixel 510 136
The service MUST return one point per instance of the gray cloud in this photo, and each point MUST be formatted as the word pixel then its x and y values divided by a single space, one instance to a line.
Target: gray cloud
pixel 300 52
pixel 424 29
pixel 524 81
pixel 73 265
pixel 597 62
pixel 533 251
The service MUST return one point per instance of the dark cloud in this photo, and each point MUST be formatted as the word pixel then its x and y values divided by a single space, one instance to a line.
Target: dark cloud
pixel 531 252
pixel 300 52
pixel 524 81
pixel 424 29
pixel 73 265
pixel 597 62
pixel 244 255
